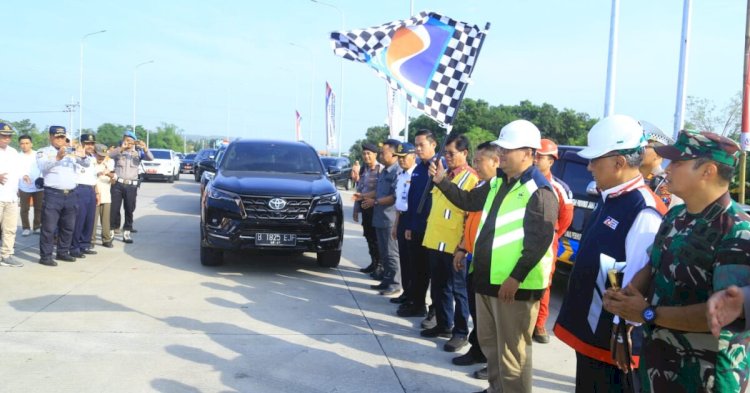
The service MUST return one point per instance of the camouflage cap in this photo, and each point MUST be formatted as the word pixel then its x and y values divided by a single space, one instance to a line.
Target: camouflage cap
pixel 6 129
pixel 691 145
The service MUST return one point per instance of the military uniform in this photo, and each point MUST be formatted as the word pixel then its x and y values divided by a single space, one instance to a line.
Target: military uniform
pixel 693 256
pixel 9 168
pixel 86 180
pixel 59 211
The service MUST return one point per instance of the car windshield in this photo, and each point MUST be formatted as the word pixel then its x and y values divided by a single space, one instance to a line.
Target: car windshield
pixel 328 161
pixel 270 157
pixel 576 176
pixel 190 156
pixel 161 154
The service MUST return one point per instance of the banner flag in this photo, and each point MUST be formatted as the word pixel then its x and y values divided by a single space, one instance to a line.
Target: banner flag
pixel 429 57
pixel 298 125
pixel 330 118
pixel 396 120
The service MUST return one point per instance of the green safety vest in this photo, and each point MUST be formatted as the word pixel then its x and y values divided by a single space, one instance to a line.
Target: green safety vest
pixel 507 243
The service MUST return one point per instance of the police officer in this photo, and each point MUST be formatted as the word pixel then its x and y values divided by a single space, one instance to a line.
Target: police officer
pixel 58 163
pixel 127 159
pixel 86 179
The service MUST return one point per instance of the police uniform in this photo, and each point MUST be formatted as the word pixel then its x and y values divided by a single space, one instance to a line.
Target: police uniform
pixel 125 188
pixel 59 208
pixel 85 204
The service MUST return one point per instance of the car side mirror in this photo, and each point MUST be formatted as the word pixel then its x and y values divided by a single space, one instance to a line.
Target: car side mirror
pixel 591 189
pixel 208 165
pixel 333 170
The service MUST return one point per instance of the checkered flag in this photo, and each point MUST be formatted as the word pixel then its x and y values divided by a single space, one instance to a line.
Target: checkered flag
pixel 429 57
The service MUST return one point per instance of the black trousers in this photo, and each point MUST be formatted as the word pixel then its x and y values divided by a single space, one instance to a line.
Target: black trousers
pixel 370 236
pixel 58 215
pixel 475 348
pixel 420 269
pixel 593 376
pixel 403 253
pixel 123 195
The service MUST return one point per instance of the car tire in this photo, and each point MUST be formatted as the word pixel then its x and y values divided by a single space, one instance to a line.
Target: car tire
pixel 329 258
pixel 177 175
pixel 170 179
pixel 197 176
pixel 211 256
pixel 348 184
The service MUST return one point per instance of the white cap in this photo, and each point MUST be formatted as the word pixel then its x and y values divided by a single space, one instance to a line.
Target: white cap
pixel 616 132
pixel 518 134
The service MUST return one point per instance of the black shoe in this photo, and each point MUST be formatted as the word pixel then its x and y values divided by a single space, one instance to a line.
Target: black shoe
pixel 133 230
pixel 540 335
pixel 456 342
pixel 430 321
pixel 472 357
pixel 77 255
pixel 400 300
pixel 370 268
pixel 107 244
pixel 88 252
pixel 47 262
pixel 437 331
pixel 412 311
pixel 377 274
pixel 390 291
pixel 65 258
pixel 406 305
pixel 481 374
pixel 380 287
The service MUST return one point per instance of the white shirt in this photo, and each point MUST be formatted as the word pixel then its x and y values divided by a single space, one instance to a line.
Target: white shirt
pixel 103 186
pixel 9 166
pixel 27 167
pixel 403 183
pixel 86 175
pixel 640 237
pixel 60 174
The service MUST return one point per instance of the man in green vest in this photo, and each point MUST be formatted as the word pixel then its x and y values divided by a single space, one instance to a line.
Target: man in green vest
pixel 512 254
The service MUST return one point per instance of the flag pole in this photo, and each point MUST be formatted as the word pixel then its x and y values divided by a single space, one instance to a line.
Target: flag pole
pixel 449 127
pixel 745 130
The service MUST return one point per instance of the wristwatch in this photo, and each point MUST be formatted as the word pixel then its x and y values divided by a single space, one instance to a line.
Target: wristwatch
pixel 649 315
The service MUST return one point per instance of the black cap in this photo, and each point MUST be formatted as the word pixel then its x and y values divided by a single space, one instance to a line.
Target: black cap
pixel 56 130
pixel 88 138
pixel 370 146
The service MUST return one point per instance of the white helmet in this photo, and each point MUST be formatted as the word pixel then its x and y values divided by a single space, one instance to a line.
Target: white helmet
pixel 518 134
pixel 616 132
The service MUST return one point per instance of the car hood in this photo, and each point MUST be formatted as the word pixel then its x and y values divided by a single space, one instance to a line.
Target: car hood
pixel 272 184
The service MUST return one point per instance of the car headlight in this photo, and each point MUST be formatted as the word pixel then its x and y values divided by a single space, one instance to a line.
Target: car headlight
pixel 209 175
pixel 226 200
pixel 329 199
pixel 215 193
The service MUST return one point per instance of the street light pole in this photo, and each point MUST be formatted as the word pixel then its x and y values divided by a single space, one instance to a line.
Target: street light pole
pixel 609 95
pixel 341 75
pixel 135 86
pixel 80 86
pixel 312 84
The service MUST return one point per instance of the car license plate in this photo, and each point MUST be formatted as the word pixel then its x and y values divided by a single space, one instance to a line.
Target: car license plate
pixel 275 239
pixel 150 170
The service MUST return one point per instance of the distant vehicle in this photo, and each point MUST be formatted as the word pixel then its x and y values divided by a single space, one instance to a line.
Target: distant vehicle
pixel 208 167
pixel 270 195
pixel 204 154
pixel 187 163
pixel 571 169
pixel 180 155
pixel 165 166
pixel 340 171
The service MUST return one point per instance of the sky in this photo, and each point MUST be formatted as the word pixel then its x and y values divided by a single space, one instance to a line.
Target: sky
pixel 229 67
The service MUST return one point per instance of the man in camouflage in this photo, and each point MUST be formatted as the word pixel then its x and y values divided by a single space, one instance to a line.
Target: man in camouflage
pixel 702 247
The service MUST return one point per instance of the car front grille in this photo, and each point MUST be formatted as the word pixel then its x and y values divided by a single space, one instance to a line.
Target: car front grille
pixel 258 208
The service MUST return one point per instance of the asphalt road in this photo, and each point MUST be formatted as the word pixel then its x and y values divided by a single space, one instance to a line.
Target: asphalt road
pixel 147 317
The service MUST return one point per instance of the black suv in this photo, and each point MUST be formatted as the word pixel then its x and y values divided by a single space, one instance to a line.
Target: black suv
pixel 203 155
pixel 571 168
pixel 342 174
pixel 271 195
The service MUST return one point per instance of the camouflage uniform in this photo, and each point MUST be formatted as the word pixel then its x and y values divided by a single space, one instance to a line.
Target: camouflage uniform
pixel 693 256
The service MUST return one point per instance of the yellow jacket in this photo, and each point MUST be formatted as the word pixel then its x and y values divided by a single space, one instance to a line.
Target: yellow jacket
pixel 445 224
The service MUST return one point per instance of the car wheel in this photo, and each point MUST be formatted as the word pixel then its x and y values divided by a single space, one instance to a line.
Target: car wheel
pixel 170 179
pixel 197 176
pixel 329 258
pixel 177 175
pixel 348 184
pixel 211 256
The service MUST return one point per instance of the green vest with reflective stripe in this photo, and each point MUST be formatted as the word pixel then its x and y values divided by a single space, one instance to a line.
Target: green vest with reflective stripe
pixel 507 241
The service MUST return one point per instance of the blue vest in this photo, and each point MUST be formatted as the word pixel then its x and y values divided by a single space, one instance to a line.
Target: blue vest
pixel 581 313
